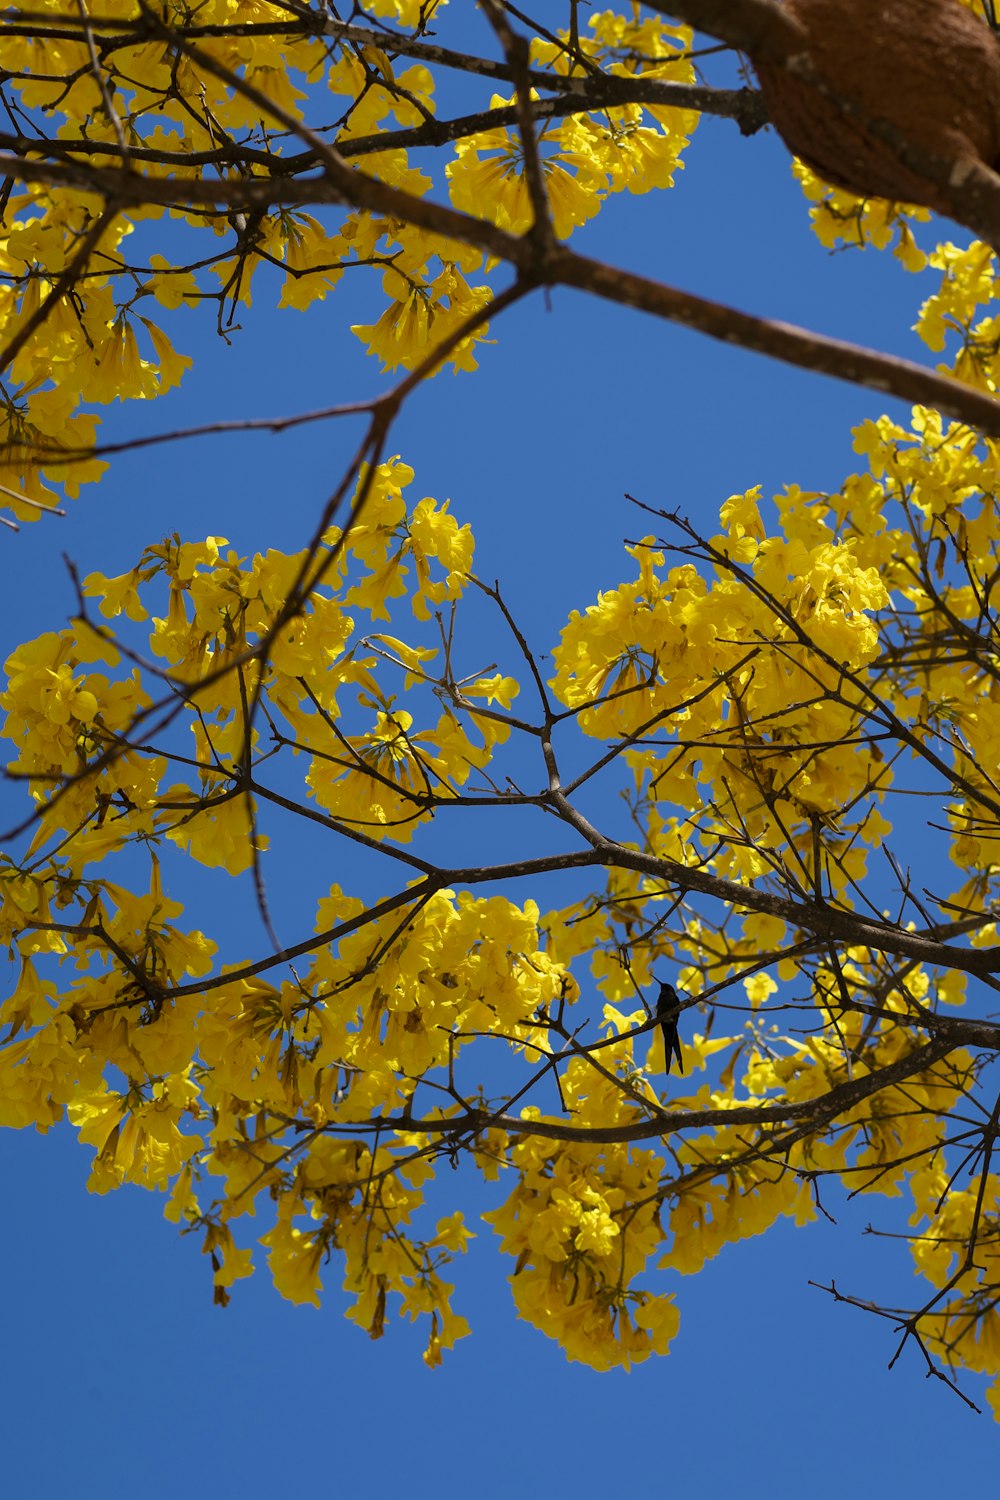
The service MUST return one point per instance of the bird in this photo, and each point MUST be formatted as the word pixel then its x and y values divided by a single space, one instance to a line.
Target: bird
pixel 924 73
pixel 668 1009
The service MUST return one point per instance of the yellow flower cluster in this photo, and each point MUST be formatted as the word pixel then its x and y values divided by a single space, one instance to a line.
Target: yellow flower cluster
pixel 770 696
pixel 747 690
pixel 589 155
pixel 840 219
pixel 95 347
pixel 582 1222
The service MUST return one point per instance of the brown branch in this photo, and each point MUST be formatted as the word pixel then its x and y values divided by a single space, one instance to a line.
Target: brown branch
pixel 819 1112
pixel 967 189
pixel 759 27
pixel 799 347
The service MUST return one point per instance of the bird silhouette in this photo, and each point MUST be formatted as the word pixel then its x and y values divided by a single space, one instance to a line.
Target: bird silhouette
pixel 668 1009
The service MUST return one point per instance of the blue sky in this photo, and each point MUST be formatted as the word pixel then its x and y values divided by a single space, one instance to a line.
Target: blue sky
pixel 118 1371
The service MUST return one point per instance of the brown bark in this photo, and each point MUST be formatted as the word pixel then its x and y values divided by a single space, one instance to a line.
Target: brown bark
pixel 886 83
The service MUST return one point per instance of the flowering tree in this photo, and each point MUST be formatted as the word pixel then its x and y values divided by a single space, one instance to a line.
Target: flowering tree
pixel 773 698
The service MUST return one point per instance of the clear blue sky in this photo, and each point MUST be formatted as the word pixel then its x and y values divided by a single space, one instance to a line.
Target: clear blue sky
pixel 118 1374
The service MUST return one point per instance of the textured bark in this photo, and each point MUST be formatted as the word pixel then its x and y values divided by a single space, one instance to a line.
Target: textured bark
pixel 888 82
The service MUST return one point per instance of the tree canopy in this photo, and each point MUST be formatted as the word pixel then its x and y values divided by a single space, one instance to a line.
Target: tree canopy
pixel 767 756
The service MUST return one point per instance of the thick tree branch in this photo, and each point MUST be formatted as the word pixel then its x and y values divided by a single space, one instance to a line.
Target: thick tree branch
pixel 818 1112
pixel 796 346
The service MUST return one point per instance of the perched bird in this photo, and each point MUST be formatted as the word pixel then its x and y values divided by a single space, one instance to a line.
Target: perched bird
pixel 925 73
pixel 668 1009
